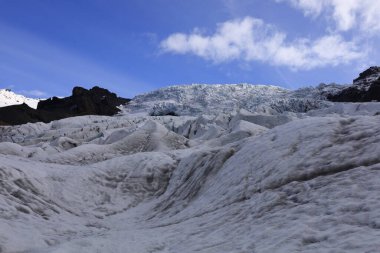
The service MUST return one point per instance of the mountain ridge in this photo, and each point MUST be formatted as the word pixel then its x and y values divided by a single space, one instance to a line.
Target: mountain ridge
pixel 95 101
pixel 365 88
pixel 198 99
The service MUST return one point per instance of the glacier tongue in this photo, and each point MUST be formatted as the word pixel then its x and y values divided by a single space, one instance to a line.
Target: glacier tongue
pixel 218 180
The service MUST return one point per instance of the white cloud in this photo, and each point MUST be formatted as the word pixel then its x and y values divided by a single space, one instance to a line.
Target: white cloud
pixel 251 39
pixel 346 14
pixel 310 7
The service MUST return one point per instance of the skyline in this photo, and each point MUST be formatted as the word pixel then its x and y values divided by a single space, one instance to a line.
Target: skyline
pixel 48 47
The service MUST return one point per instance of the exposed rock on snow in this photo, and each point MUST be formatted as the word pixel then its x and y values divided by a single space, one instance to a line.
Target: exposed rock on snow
pixel 250 175
pixel 365 88
pixel 367 77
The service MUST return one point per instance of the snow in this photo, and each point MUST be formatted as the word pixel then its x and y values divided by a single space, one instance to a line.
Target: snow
pixel 250 178
pixel 349 109
pixel 8 97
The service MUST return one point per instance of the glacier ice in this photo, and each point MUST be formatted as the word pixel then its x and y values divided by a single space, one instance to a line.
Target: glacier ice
pixel 222 176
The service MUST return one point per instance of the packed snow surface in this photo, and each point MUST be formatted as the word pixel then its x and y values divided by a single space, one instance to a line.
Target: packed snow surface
pixel 243 179
pixel 8 97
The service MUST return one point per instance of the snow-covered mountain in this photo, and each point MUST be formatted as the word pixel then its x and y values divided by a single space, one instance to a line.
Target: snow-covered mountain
pixel 8 97
pixel 241 168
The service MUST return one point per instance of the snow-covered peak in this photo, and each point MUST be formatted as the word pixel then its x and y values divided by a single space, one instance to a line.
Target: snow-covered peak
pixel 8 97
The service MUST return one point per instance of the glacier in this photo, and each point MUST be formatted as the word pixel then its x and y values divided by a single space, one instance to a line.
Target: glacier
pixel 199 168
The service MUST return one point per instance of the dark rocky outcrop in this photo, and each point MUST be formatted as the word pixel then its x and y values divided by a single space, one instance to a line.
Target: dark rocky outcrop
pixel 96 101
pixel 20 114
pixel 354 94
pixel 365 88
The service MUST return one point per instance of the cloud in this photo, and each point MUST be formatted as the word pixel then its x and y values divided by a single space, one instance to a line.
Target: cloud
pixel 362 15
pixel 250 39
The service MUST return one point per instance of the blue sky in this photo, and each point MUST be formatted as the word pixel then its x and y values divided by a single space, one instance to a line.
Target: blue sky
pixel 134 46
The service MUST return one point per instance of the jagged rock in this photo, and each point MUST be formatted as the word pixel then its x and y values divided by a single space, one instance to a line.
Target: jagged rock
pixel 96 101
pixel 365 88
pixel 369 75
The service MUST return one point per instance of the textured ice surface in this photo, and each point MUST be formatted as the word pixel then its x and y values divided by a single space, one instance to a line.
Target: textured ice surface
pixel 211 99
pixel 238 181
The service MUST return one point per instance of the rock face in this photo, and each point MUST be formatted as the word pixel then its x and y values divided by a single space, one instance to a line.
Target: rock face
pixel 96 101
pixel 365 88
pixel 21 114
pixel 368 76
